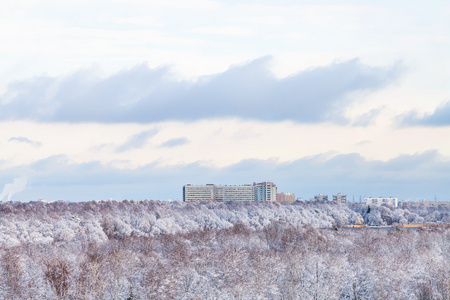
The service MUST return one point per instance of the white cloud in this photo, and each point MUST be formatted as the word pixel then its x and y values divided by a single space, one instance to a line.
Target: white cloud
pixel 228 30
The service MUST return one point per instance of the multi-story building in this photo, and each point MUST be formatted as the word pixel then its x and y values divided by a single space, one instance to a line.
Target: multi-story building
pixel 264 191
pixel 426 204
pixel 320 197
pixel 198 192
pixel 290 197
pixel 381 200
pixel 233 193
pixel 339 198
pixel 286 197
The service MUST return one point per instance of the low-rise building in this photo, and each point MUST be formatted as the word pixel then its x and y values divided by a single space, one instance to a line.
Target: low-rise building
pixel 286 197
pixel 425 204
pixel 320 197
pixel 339 198
pixel 381 200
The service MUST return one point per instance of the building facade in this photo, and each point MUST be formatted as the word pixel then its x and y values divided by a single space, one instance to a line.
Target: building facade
pixel 426 204
pixel 339 198
pixel 381 200
pixel 320 197
pixel 264 191
pixel 198 192
pixel 286 197
pixel 233 193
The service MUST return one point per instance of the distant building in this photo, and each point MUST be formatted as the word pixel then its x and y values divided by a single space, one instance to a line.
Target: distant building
pixel 234 193
pixel 264 191
pixel 339 198
pixel 281 197
pixel 380 201
pixel 320 197
pixel 198 192
pixel 286 197
pixel 426 204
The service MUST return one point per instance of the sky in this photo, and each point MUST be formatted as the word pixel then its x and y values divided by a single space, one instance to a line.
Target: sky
pixel 133 99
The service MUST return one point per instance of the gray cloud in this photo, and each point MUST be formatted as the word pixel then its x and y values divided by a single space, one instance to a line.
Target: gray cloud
pixel 137 141
pixel 440 117
pixel 363 142
pixel 407 177
pixel 369 117
pixel 175 142
pixel 25 140
pixel 146 95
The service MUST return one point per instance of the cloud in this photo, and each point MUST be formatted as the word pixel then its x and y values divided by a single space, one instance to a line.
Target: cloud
pixel 144 95
pixel 25 140
pixel 440 117
pixel 229 30
pixel 415 176
pixel 368 118
pixel 137 141
pixel 362 143
pixel 175 142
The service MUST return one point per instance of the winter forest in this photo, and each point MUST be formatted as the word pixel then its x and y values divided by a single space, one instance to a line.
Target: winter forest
pixel 175 250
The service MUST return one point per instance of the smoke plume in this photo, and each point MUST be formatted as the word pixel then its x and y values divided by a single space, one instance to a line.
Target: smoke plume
pixel 9 189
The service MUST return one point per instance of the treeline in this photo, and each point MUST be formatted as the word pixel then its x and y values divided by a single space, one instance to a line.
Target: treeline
pixel 38 222
pixel 278 262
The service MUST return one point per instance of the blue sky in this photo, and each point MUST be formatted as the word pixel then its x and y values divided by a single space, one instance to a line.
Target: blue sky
pixel 133 99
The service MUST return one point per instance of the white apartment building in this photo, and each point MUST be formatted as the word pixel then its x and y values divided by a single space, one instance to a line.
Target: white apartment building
pixel 233 193
pixel 198 192
pixel 426 204
pixel 380 200
pixel 264 191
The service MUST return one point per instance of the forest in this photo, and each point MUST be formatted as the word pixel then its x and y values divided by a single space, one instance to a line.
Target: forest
pixel 175 250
